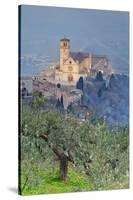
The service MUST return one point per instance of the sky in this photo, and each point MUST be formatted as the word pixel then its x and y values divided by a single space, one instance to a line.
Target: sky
pixel 95 31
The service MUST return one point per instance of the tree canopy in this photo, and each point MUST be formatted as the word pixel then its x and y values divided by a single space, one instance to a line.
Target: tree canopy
pixel 90 145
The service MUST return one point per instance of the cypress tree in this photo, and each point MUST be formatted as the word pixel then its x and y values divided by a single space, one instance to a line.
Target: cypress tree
pixel 99 76
pixel 80 83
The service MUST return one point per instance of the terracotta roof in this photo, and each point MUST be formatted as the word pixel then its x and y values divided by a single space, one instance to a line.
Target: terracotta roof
pixel 97 58
pixel 65 39
pixel 79 56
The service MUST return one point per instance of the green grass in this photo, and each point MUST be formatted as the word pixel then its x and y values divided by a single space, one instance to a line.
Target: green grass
pixel 46 181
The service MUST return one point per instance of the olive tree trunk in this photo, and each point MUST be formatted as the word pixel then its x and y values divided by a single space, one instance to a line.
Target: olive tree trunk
pixel 63 167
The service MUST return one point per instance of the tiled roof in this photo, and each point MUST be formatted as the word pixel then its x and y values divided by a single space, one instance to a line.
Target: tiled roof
pixel 79 56
pixel 65 39
pixel 97 58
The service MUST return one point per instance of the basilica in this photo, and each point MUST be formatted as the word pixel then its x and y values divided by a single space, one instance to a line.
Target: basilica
pixel 73 65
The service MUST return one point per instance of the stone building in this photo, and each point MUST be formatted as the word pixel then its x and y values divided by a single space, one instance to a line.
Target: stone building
pixel 73 65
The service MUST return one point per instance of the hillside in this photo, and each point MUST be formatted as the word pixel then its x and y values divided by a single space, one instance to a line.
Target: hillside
pixel 109 98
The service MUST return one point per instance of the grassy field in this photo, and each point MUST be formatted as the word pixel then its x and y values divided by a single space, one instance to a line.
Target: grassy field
pixel 44 180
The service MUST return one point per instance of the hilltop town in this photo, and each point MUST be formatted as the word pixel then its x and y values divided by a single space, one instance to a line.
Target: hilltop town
pixel 73 65
pixel 83 83
pixel 70 68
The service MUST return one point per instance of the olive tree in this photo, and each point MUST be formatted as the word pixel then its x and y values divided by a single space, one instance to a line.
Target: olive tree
pixel 88 144
pixel 66 137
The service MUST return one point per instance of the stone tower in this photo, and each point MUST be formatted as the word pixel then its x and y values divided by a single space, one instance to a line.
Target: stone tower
pixel 64 50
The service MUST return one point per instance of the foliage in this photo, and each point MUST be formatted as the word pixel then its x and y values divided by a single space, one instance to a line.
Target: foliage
pixel 112 78
pixel 80 83
pixel 99 76
pixel 96 152
pixel 38 100
pixel 106 161
pixel 58 85
pixel 60 104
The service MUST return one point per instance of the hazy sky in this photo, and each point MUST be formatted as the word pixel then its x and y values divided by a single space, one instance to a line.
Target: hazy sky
pixel 102 32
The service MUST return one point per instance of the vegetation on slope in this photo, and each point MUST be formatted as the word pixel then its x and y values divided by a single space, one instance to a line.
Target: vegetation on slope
pixel 61 154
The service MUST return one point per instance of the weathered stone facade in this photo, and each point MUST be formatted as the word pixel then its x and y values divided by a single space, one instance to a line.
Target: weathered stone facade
pixel 76 64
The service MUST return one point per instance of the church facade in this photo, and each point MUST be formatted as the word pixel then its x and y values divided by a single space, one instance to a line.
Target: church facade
pixel 73 65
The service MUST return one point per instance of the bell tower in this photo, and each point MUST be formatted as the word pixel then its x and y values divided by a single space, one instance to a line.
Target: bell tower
pixel 64 50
